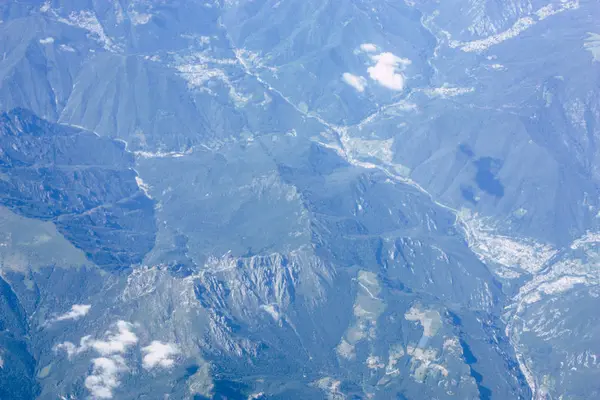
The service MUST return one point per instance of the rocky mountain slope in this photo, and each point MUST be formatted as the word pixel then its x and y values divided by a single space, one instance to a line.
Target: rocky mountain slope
pixel 299 199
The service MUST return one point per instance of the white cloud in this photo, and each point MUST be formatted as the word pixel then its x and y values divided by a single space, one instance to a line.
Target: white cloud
pixel 368 47
pixel 105 376
pixel 77 311
pixel 70 348
pixel 357 82
pixel 116 342
pixel 386 70
pixel 48 40
pixel 159 354
pixel 107 368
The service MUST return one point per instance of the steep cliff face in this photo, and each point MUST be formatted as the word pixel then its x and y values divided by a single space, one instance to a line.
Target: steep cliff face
pixel 298 199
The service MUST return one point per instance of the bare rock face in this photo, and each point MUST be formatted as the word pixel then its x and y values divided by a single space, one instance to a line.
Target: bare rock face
pixel 299 199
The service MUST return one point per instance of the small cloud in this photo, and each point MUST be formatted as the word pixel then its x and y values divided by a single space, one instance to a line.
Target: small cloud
pixel 116 342
pixel 159 354
pixel 368 47
pixel 105 376
pixel 106 368
pixel 48 40
pixel 77 311
pixel 357 82
pixel 386 70
pixel 70 347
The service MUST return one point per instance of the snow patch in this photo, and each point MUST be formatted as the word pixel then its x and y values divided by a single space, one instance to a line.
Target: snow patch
pixel 48 40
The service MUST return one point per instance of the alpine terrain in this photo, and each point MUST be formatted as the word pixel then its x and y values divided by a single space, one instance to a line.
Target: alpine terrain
pixel 299 199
